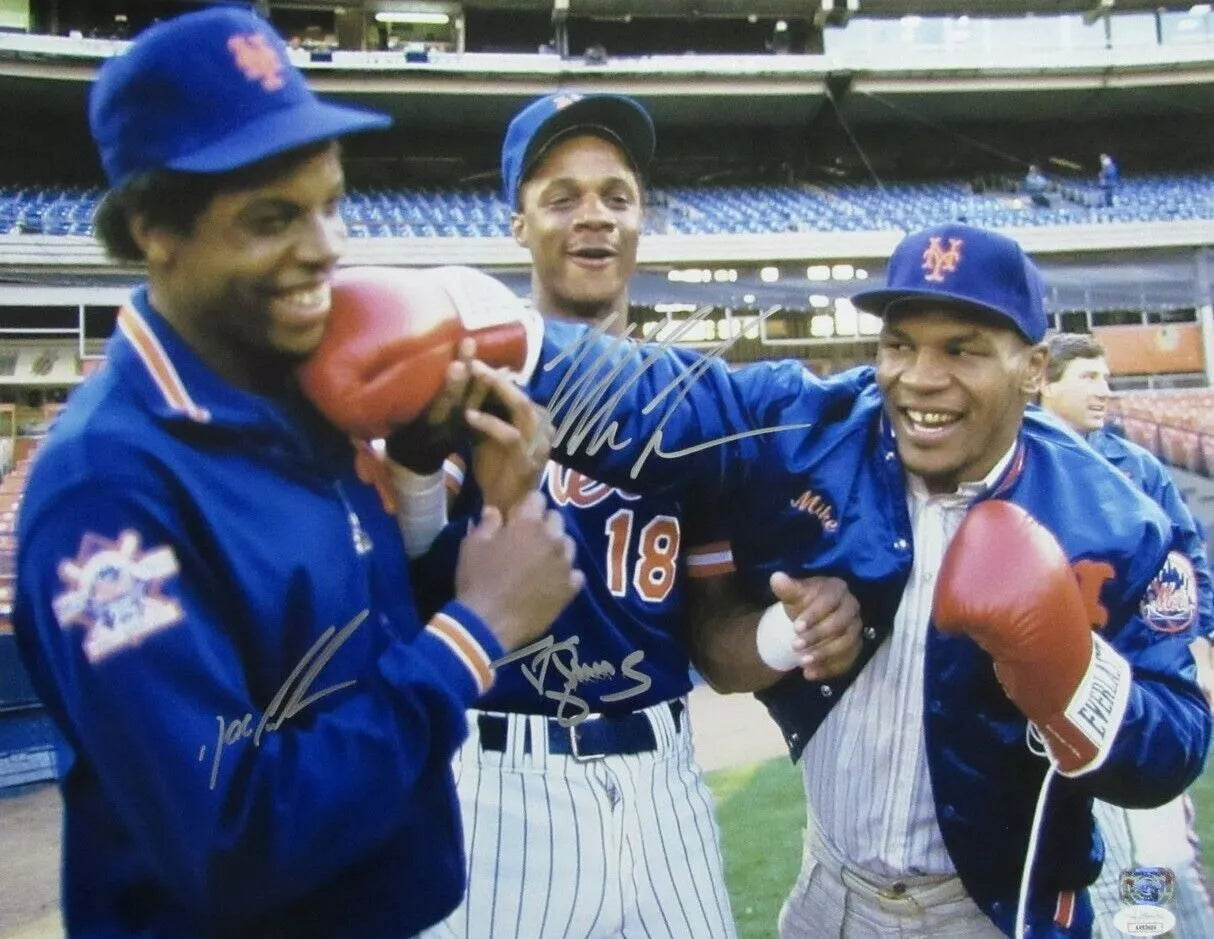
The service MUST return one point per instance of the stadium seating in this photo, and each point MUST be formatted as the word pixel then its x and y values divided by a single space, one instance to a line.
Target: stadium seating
pixel 1177 426
pixel 702 210
pixel 27 737
pixel 53 210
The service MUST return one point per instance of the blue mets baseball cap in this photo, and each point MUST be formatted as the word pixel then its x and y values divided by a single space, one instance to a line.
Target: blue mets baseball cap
pixel 208 92
pixel 965 266
pixel 554 117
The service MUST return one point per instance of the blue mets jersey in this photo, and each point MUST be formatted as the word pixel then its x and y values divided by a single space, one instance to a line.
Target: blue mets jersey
pixel 619 645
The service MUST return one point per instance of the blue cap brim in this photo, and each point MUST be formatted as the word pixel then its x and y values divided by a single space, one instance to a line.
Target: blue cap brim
pixel 878 301
pixel 277 132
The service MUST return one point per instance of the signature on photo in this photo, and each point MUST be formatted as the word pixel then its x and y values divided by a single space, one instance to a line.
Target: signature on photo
pixel 294 696
pixel 583 405
pixel 562 657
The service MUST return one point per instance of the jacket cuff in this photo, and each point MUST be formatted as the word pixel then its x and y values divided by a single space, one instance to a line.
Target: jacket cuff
pixel 470 647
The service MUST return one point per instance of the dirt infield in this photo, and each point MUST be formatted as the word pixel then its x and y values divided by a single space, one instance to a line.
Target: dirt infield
pixel 29 863
pixel 732 730
pixel 728 731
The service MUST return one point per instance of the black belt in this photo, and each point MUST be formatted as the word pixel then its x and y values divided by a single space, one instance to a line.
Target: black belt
pixel 597 736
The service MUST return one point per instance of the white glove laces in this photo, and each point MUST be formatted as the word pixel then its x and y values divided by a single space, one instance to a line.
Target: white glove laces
pixel 1032 738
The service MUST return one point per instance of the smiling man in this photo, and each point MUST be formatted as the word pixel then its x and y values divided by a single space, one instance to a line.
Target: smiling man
pixel 922 765
pixel 584 811
pixel 194 538
pixel 571 166
pixel 1026 607
pixel 1076 389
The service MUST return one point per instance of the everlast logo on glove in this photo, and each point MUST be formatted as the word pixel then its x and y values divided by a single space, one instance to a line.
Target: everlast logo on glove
pixel 1097 708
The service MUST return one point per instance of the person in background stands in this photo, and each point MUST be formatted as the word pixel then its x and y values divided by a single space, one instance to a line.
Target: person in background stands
pixel 1108 178
pixel 1035 185
pixel 1076 389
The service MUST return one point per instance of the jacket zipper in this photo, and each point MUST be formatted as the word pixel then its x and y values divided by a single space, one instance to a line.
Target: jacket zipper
pixel 362 541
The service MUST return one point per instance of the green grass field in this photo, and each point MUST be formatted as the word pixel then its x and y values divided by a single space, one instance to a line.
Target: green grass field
pixel 762 812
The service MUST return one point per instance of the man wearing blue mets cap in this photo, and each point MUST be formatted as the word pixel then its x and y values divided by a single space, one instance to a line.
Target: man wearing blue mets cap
pixel 547 121
pixel 1026 608
pixel 540 771
pixel 212 601
pixel 573 168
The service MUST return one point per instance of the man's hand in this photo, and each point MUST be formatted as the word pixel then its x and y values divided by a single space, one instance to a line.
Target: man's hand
pixel 826 623
pixel 517 575
pixel 739 648
pixel 508 456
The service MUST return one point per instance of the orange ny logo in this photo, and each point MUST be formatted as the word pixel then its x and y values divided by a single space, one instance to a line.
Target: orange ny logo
pixel 258 60
pixel 937 262
pixel 1091 577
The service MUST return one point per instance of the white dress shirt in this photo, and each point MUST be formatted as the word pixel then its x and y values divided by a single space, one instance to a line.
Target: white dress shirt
pixel 865 769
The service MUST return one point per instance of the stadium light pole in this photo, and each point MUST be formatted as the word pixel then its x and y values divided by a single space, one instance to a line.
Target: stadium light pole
pixel 560 23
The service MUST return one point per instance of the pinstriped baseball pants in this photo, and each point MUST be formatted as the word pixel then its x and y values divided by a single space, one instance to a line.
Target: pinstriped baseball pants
pixel 623 845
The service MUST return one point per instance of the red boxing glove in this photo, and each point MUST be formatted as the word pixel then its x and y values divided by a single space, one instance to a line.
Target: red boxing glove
pixel 1006 584
pixel 392 332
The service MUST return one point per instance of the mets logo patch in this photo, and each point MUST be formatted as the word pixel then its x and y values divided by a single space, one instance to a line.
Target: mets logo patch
pixel 1170 603
pixel 938 260
pixel 113 590
pixel 257 60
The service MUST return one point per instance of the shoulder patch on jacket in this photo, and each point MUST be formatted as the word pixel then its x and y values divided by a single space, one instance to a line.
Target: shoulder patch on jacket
pixel 1170 602
pixel 113 590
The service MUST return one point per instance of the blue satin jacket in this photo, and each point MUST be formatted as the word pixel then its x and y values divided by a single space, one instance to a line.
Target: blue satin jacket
pixel 810 483
pixel 215 610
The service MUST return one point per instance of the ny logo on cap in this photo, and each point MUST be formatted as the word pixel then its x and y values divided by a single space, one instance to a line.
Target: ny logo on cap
pixel 258 60
pixel 937 261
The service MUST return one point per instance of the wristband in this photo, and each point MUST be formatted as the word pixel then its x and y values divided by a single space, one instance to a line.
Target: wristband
pixel 421 511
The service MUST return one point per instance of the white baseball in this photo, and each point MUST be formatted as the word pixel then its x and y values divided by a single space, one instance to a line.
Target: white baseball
pixel 774 639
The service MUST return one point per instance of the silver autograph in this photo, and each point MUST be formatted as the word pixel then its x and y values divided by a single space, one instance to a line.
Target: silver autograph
pixel 547 652
pixel 294 695
pixel 586 402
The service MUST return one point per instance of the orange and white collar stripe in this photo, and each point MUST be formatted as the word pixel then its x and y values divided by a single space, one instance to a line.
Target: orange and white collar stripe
pixel 160 367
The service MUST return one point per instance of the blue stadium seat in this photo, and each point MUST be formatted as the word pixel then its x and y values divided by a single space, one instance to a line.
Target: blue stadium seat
pixel 479 212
